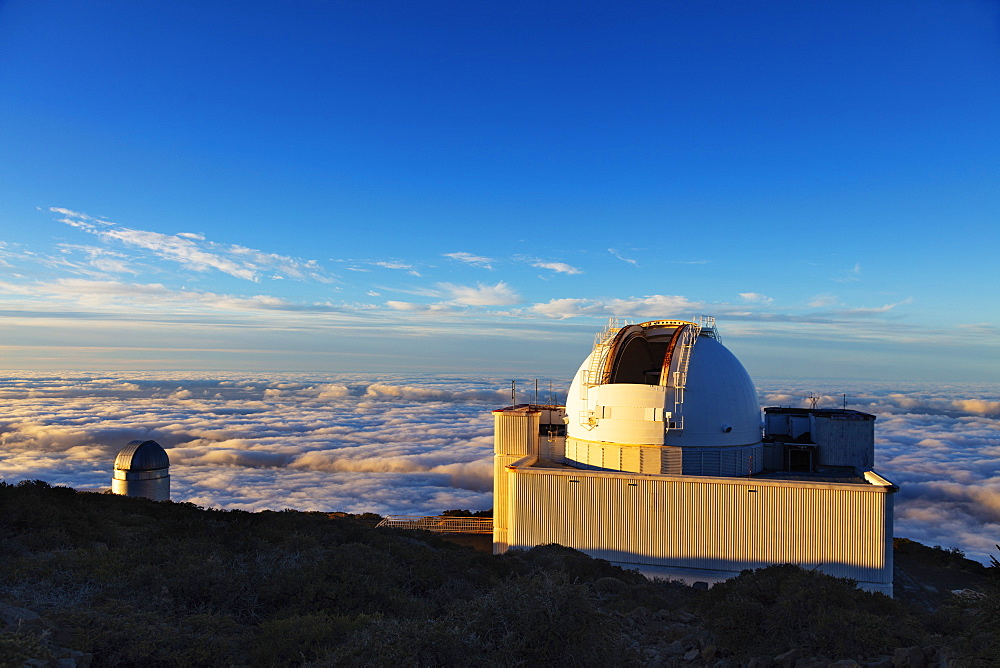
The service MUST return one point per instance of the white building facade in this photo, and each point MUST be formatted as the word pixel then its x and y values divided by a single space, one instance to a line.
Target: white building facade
pixel 658 463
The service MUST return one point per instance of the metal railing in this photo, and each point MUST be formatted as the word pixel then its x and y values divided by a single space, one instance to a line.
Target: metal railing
pixel 439 523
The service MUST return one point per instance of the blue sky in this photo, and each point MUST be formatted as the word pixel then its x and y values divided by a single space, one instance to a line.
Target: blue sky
pixel 424 186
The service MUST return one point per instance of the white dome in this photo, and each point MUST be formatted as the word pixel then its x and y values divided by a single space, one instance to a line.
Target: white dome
pixel 660 383
pixel 719 395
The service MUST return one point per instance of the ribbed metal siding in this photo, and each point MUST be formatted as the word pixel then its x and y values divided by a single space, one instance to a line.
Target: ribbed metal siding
pixel 157 489
pixel 841 529
pixel 515 433
pixel 729 461
pixel 844 442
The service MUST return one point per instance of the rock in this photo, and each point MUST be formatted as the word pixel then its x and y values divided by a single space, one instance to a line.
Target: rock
pixel 692 655
pixel 682 616
pixel 844 663
pixel 942 658
pixel 880 661
pixel 968 593
pixel 759 662
pixel 909 657
pixel 14 618
pixel 812 662
pixel 676 648
pixel 788 659
pixel 698 638
pixel 702 586
pixel 708 652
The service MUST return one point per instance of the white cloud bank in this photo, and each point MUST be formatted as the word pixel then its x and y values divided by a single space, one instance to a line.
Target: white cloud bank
pixel 423 444
pixel 263 441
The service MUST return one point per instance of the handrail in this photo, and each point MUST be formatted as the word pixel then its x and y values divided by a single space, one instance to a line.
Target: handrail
pixel 439 523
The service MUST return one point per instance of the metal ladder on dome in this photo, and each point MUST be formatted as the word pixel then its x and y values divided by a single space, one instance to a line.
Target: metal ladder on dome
pixel 602 344
pixel 688 338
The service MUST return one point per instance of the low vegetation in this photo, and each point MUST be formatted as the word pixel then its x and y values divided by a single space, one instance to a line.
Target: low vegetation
pixel 134 582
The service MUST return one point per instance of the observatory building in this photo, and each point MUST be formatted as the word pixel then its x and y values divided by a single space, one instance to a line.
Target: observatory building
pixel 142 468
pixel 658 462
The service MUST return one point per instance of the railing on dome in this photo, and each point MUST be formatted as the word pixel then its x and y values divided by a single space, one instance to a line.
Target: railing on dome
pixel 602 345
pixel 597 371
pixel 439 523
pixel 707 324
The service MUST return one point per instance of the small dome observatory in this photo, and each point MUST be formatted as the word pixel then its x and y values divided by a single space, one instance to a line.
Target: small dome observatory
pixel 142 468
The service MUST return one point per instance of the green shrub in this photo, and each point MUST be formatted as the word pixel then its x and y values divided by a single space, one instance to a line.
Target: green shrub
pixel 772 610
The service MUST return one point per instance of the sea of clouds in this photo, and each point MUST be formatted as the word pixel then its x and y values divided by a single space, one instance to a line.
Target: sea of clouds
pixel 421 444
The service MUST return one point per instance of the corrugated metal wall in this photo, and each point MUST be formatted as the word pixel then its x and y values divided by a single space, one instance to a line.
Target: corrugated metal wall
pixel 727 524
pixel 153 485
pixel 668 460
pixel 515 435
pixel 844 442
pixel 515 432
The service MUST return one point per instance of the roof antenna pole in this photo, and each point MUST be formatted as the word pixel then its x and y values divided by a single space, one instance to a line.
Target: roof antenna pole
pixel 845 402
pixel 536 391
pixel 513 393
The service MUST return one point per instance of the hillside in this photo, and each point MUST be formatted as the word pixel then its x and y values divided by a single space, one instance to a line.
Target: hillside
pixel 104 580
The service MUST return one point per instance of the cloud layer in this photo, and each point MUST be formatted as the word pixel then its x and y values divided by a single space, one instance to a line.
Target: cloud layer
pixel 421 444
pixel 256 442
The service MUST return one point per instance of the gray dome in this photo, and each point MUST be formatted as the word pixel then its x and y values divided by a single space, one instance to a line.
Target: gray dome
pixel 142 456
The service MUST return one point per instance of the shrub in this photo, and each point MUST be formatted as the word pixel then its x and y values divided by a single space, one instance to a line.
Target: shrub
pixel 774 609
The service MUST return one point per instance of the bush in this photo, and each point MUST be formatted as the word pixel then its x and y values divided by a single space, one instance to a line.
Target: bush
pixel 772 610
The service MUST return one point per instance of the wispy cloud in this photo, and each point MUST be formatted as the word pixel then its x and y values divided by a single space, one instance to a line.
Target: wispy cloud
pixel 558 267
pixel 192 252
pixel 469 258
pixel 853 275
pixel 821 301
pixel 650 306
pixel 102 259
pixel 885 308
pixel 116 296
pixel 414 307
pixel 500 294
pixel 398 265
pixel 755 298
pixel 622 258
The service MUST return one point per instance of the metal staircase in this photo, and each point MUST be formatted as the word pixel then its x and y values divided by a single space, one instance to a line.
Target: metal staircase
pixel 686 345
